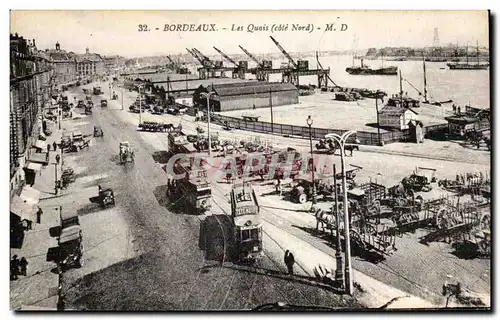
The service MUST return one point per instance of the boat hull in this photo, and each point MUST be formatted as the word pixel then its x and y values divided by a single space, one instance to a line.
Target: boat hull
pixel 463 66
pixel 389 71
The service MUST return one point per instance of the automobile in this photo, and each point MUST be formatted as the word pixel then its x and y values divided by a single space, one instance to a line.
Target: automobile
pixel 173 111
pixel 104 103
pixel 70 240
pixel 98 131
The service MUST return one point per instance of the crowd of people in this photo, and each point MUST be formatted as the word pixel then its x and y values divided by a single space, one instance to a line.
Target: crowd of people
pixel 18 267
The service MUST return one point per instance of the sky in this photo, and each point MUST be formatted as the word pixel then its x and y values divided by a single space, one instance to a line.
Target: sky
pixel 117 32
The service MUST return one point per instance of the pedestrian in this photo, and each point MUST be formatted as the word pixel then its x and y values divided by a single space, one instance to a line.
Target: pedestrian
pixel 24 265
pixel 54 146
pixel 278 187
pixel 39 215
pixel 14 268
pixel 289 261
pixel 48 148
pixel 29 224
pixel 58 158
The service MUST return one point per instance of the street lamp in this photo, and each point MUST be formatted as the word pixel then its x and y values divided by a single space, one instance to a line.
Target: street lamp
pixel 341 140
pixel 140 103
pixel 339 272
pixel 110 91
pixel 309 123
pixel 208 95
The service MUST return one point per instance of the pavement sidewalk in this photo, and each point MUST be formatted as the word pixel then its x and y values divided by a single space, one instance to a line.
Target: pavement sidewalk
pixel 375 293
pixel 38 289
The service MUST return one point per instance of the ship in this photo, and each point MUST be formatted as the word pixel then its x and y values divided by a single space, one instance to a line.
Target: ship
pixel 467 65
pixel 366 70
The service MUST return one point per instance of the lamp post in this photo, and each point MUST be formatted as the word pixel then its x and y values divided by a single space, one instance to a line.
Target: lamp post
pixel 339 272
pixel 309 123
pixel 208 95
pixel 348 269
pixel 123 92
pixel 140 103
pixel 110 91
pixel 56 185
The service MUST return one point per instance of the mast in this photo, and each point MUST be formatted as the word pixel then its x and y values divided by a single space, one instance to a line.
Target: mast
pixel 467 53
pixel 425 81
pixel 477 53
pixel 400 85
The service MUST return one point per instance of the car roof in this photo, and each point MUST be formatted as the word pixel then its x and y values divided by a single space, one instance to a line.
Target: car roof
pixel 69 234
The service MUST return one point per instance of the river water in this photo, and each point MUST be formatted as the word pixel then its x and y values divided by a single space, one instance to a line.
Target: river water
pixel 461 86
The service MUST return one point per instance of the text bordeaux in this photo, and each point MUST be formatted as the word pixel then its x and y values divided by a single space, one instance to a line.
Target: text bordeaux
pixel 190 27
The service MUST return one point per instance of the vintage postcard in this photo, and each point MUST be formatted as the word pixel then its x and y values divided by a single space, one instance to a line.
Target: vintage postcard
pixel 250 160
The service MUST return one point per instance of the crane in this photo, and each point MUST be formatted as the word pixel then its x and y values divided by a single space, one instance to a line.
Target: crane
pixel 205 61
pixel 172 62
pixel 195 56
pixel 251 56
pixel 285 53
pixel 226 56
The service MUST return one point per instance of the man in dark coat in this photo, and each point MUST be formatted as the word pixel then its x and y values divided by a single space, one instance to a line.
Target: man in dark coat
pixel 23 264
pixel 54 146
pixel 39 215
pixel 289 261
pixel 14 268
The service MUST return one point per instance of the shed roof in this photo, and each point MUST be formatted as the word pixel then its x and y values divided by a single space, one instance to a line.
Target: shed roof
pixel 254 87
pixel 396 111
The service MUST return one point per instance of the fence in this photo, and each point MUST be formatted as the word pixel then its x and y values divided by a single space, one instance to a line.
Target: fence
pixel 288 130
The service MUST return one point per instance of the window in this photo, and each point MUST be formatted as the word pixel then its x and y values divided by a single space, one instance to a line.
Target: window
pixel 250 234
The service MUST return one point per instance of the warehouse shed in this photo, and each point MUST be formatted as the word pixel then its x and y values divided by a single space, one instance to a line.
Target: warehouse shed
pixel 247 95
pixel 397 117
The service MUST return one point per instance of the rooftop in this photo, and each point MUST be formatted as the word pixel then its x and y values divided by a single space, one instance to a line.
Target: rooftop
pixel 393 110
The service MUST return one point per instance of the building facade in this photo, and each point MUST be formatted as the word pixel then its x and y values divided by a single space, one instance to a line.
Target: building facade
pixel 31 81
pixel 89 64
pixel 397 117
pixel 64 64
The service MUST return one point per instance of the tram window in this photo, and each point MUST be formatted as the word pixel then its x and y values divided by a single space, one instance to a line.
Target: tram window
pixel 245 235
pixel 204 192
pixel 254 234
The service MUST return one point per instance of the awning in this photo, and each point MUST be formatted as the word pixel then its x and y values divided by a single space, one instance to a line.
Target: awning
pixel 34 166
pixel 41 144
pixel 22 208
pixel 30 195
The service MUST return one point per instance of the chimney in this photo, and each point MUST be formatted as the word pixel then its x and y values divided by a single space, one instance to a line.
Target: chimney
pixel 34 43
pixel 87 51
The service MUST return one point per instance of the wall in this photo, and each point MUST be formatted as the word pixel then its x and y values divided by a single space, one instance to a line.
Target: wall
pixel 365 138
pixel 407 117
pixel 260 100
pixel 389 120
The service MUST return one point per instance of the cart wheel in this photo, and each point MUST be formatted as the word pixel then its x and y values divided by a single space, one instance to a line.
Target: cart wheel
pixel 302 198
pixel 441 219
pixel 484 247
pixel 485 222
pixel 356 240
